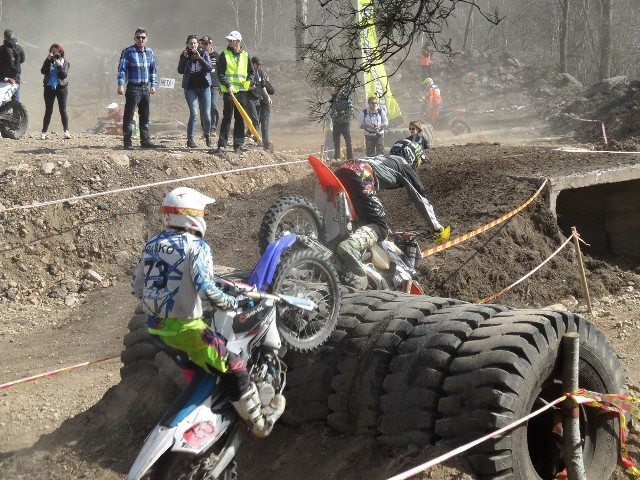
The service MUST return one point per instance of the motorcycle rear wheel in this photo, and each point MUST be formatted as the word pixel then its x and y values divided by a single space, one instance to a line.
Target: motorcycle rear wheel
pixel 290 214
pixel 307 274
pixel 14 120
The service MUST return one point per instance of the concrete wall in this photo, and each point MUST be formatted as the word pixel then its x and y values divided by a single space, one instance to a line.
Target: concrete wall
pixel 607 216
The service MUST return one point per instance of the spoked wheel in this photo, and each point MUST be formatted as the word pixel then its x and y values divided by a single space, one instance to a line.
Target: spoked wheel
pixel 290 214
pixel 307 274
pixel 459 127
pixel 14 120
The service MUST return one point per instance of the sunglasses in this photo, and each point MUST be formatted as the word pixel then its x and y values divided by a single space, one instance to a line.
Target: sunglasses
pixel 413 129
pixel 140 37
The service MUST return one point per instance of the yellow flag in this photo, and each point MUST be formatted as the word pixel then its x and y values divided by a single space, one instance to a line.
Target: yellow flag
pixel 375 79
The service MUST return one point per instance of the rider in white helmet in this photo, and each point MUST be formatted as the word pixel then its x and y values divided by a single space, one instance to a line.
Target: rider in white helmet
pixel 174 274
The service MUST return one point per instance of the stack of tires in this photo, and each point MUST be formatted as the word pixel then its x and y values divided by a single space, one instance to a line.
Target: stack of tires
pixel 420 371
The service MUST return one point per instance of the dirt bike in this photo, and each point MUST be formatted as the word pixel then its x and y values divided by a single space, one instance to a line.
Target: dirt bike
pixel 322 224
pixel 14 119
pixel 201 432
pixel 453 121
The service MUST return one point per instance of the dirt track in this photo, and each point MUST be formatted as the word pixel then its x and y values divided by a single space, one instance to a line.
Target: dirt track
pixel 87 424
pixel 40 333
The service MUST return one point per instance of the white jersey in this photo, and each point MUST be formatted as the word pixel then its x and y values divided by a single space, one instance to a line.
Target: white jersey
pixel 174 273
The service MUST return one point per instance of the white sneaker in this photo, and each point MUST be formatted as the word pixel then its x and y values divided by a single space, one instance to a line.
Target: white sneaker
pixel 43 136
pixel 67 135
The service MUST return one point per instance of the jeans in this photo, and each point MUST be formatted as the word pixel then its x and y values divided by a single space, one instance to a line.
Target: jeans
pixel 198 99
pixel 136 97
pixel 229 111
pixel 50 95
pixel 344 130
pixel 16 96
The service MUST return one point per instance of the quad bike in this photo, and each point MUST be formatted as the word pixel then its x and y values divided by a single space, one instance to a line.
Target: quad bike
pixel 297 298
pixel 321 225
pixel 14 119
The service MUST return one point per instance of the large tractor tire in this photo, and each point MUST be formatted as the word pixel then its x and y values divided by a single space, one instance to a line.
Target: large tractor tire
pixel 414 384
pixel 142 355
pixel 511 365
pixel 291 214
pixel 378 322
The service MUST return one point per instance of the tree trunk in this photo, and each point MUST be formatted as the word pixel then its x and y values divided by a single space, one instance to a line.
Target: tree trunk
pixel 605 39
pixel 468 27
pixel 300 32
pixel 564 27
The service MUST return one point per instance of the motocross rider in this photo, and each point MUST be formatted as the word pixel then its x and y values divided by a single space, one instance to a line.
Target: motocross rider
pixel 174 274
pixel 363 179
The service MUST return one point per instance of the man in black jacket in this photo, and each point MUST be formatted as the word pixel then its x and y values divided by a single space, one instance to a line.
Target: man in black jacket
pixel 11 60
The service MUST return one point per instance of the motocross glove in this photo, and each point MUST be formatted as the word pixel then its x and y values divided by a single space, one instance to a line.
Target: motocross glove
pixel 245 302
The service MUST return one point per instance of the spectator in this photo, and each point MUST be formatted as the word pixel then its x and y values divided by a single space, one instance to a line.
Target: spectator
pixel 259 101
pixel 137 68
pixel 415 135
pixel 207 44
pixel 432 100
pixel 55 70
pixel 235 74
pixel 195 67
pixel 11 60
pixel 341 111
pixel 426 60
pixel 265 114
pixel 373 119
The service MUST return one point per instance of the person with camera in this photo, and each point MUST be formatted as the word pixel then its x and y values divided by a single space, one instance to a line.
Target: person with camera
pixel 372 120
pixel 195 67
pixel 55 70
pixel 138 69
pixel 207 44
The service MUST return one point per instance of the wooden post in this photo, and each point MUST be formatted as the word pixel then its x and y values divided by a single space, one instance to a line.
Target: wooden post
pixel 583 276
pixel 571 442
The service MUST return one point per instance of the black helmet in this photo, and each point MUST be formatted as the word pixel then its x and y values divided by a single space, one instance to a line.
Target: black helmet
pixel 412 152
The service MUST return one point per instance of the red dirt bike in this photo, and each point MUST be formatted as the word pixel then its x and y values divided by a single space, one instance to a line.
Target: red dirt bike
pixel 322 224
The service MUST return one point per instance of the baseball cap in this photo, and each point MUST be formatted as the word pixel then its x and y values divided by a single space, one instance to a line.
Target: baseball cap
pixel 256 60
pixel 206 39
pixel 234 35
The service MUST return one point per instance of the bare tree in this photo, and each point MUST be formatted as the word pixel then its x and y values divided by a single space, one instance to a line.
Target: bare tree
pixel 564 28
pixel 302 9
pixel 334 45
pixel 605 39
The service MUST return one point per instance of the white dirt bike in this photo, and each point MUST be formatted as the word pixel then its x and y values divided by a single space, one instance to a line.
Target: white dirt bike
pixel 14 119
pixel 200 434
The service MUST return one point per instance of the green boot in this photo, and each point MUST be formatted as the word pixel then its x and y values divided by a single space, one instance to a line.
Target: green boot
pixel 351 249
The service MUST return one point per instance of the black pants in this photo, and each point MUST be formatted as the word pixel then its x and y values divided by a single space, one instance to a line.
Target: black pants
pixel 253 110
pixel 136 97
pixel 229 111
pixel 50 95
pixel 344 130
pixel 265 113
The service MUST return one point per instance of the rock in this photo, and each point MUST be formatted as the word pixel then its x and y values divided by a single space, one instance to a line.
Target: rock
pixel 93 276
pixel 71 300
pixel 122 257
pixel 120 159
pixel 47 168
pixel 557 307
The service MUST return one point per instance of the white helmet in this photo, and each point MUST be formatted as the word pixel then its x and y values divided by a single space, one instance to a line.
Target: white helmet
pixel 184 207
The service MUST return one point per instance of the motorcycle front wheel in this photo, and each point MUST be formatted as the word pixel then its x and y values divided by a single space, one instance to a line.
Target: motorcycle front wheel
pixel 307 274
pixel 290 214
pixel 14 120
pixel 182 466
pixel 459 127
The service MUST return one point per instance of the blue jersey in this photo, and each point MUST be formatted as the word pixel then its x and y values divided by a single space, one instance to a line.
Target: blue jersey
pixel 174 274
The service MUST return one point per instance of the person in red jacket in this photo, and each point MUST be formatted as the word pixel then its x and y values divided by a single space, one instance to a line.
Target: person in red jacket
pixel 432 99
